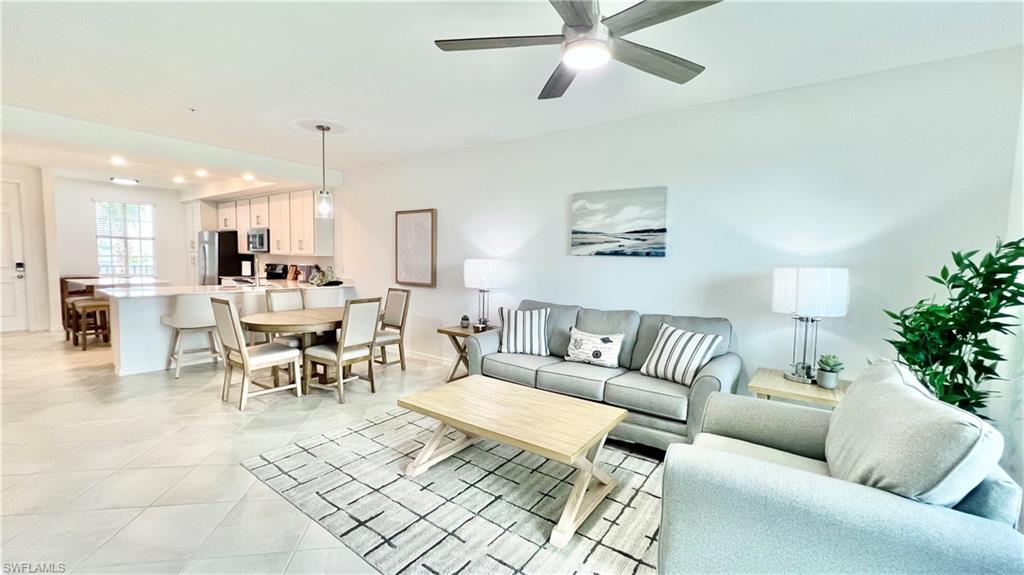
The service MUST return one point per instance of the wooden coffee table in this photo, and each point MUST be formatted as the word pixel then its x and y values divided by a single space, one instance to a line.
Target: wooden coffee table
pixel 562 428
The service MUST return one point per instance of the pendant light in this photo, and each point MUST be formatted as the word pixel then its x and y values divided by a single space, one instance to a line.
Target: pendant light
pixel 325 201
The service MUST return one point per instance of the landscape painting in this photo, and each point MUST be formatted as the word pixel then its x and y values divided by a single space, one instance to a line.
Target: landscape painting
pixel 619 223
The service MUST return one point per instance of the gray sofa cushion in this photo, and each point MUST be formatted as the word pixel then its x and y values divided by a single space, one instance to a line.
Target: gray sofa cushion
pixel 748 449
pixel 891 433
pixel 516 367
pixel 602 322
pixel 638 392
pixel 650 323
pixel 562 317
pixel 997 498
pixel 577 379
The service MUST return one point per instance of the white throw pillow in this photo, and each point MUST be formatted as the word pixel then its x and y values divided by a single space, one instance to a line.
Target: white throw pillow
pixel 524 331
pixel 891 433
pixel 600 350
pixel 678 354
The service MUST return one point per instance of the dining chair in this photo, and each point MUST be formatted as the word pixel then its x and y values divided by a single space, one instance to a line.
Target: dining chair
pixel 285 300
pixel 355 345
pixel 319 297
pixel 396 310
pixel 192 314
pixel 251 357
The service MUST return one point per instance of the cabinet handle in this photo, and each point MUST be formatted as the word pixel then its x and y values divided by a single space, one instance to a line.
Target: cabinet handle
pixel 300 244
pixel 257 220
pixel 225 222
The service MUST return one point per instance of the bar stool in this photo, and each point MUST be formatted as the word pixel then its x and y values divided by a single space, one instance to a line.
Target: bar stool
pixel 192 314
pixel 68 297
pixel 91 314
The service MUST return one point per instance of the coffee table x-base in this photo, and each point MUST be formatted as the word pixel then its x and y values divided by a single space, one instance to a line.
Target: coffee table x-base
pixel 565 429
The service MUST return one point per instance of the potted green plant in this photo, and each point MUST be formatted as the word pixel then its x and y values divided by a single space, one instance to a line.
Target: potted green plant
pixel 946 344
pixel 829 367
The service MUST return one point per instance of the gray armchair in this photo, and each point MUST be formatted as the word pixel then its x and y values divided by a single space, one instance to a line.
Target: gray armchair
pixel 767 504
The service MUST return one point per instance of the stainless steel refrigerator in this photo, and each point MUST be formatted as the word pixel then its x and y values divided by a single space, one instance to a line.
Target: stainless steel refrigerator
pixel 218 257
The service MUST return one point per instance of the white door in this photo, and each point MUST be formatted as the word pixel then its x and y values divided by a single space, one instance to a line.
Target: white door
pixel 13 315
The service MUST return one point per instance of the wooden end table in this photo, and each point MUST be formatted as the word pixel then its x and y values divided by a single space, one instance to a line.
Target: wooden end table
pixel 769 383
pixel 566 429
pixel 457 335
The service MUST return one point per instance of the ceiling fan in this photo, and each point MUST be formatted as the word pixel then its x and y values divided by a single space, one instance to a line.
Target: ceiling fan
pixel 589 40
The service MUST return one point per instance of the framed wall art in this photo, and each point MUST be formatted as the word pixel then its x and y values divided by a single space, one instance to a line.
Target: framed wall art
pixel 416 247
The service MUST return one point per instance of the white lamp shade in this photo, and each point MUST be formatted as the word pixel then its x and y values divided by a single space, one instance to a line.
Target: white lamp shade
pixel 483 274
pixel 811 292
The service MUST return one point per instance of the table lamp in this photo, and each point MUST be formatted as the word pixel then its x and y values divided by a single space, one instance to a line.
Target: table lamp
pixel 808 295
pixel 483 276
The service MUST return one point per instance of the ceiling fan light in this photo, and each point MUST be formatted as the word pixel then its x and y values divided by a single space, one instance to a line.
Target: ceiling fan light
pixel 586 54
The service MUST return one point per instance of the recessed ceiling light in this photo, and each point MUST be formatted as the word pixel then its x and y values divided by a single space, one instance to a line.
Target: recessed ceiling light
pixel 202 173
pixel 248 177
pixel 125 181
pixel 117 160
pixel 179 180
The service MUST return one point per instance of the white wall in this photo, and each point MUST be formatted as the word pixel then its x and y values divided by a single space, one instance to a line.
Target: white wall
pixel 76 225
pixel 30 179
pixel 883 173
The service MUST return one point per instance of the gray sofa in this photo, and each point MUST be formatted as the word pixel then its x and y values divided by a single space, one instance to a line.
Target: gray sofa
pixel 660 412
pixel 754 494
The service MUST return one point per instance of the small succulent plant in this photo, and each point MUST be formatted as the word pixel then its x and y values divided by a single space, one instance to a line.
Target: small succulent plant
pixel 830 363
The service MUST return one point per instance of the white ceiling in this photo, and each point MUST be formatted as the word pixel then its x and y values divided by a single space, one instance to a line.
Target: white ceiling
pixel 256 71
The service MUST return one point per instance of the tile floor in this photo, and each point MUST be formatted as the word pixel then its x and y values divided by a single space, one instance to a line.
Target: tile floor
pixel 140 474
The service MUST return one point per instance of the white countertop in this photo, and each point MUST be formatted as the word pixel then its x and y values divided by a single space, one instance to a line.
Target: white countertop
pixel 117 281
pixel 168 290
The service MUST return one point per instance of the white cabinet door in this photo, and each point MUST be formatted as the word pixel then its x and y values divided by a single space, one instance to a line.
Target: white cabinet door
pixel 259 212
pixel 301 205
pixel 226 216
pixel 280 224
pixel 193 225
pixel 242 225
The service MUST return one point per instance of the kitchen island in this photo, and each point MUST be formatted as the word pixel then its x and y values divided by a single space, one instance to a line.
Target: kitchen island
pixel 141 342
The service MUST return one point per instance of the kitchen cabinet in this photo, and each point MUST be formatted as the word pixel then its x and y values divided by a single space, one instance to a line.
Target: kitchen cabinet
pixel 242 213
pixel 279 220
pixel 226 216
pixel 199 216
pixel 259 212
pixel 302 225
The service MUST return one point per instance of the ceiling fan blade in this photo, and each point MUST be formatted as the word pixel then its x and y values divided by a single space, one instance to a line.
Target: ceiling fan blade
pixel 577 13
pixel 558 83
pixel 499 42
pixel 661 64
pixel 651 12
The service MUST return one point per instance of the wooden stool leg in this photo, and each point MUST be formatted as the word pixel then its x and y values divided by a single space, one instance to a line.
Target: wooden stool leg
pixel 177 353
pixel 83 325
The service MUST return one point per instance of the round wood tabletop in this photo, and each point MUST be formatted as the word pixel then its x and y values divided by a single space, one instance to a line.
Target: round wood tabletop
pixel 295 321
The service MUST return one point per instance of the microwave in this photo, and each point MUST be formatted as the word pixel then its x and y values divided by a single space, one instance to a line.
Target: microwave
pixel 259 240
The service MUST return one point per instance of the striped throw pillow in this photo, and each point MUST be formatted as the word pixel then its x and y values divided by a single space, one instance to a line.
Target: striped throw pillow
pixel 524 331
pixel 678 354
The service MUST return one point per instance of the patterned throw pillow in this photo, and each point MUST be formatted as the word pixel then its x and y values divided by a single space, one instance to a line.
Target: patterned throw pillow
pixel 524 331
pixel 600 350
pixel 678 354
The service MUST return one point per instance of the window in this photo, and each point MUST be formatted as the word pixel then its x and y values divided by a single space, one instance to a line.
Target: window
pixel 124 239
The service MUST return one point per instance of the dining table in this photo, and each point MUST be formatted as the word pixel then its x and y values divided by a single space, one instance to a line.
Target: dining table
pixel 303 322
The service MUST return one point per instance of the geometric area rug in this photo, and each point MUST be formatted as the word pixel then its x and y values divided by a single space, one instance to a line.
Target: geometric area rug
pixel 488 509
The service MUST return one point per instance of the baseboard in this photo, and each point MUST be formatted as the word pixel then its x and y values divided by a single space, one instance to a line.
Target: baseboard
pixel 428 356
